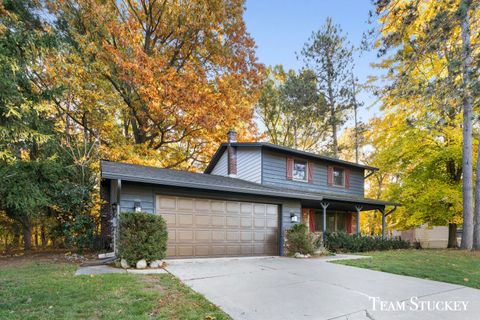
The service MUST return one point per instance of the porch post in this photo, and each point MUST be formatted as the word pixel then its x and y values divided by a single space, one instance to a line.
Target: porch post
pixel 382 211
pixel 324 206
pixel 358 208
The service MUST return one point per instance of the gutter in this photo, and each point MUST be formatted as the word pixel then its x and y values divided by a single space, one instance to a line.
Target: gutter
pixel 194 185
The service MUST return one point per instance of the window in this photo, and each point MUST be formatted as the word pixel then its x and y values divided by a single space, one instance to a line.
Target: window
pixel 300 170
pixel 338 177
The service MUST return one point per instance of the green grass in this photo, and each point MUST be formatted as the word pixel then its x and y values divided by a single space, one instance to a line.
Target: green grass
pixel 51 291
pixel 452 266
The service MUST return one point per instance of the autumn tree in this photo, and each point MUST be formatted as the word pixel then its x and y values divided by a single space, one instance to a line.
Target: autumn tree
pixel 329 54
pixel 427 51
pixel 175 76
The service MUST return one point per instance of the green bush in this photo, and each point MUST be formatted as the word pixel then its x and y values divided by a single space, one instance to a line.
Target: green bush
pixel 298 239
pixel 343 242
pixel 142 236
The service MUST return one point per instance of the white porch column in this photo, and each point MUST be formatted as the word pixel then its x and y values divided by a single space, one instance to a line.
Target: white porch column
pixel 324 217
pixel 358 208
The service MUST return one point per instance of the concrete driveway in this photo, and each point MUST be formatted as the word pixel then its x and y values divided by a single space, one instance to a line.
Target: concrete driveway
pixel 286 288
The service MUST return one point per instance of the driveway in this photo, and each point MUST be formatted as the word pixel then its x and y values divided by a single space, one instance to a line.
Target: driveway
pixel 286 288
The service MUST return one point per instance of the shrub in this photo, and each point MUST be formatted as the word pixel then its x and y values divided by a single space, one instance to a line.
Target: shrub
pixel 142 236
pixel 298 239
pixel 343 242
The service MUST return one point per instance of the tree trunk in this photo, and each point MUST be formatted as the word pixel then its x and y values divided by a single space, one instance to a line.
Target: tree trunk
pixel 43 236
pixel 35 237
pixel 452 235
pixel 334 132
pixel 16 236
pixel 476 216
pixel 27 238
pixel 467 167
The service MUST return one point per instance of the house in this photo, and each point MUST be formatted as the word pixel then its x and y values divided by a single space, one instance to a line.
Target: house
pixel 250 193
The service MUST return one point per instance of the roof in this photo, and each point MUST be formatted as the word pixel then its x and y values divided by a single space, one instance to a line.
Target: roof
pixel 170 177
pixel 269 146
pixel 177 178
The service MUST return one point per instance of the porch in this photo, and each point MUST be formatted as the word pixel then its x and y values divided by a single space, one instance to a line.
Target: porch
pixel 335 214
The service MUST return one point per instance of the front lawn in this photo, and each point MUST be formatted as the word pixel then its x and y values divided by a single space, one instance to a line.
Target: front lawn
pixel 42 290
pixel 453 266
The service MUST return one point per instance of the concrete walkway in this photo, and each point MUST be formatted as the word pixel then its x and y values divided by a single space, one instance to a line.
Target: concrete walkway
pixel 105 269
pixel 286 288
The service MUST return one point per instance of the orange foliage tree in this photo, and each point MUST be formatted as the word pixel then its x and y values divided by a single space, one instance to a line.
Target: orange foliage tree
pixel 157 82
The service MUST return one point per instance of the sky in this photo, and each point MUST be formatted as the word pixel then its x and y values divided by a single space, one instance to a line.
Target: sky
pixel 281 27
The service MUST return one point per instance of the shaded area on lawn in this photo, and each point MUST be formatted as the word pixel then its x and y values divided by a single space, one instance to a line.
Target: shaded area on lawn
pixel 452 266
pixel 46 290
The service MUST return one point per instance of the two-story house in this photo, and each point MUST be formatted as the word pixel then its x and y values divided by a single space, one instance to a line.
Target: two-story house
pixel 250 193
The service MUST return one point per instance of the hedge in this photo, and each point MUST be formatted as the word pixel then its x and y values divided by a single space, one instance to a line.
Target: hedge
pixel 142 236
pixel 343 242
pixel 298 239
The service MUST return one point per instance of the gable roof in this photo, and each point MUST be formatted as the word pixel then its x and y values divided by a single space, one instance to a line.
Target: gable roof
pixel 286 150
pixel 170 177
pixel 177 178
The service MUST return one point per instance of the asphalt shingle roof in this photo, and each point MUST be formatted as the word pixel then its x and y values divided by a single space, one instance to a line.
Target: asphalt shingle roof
pixel 169 177
pixel 146 174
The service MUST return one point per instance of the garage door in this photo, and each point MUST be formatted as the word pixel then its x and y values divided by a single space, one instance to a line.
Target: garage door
pixel 213 228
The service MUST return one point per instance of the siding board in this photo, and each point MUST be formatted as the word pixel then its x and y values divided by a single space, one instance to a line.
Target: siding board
pixel 274 174
pixel 249 164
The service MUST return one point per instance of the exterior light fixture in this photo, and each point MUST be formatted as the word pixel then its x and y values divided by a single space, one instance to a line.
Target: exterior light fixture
pixel 293 217
pixel 138 206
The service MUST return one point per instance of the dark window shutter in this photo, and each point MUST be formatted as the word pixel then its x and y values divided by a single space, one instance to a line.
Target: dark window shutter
pixel 330 175
pixel 347 178
pixel 310 171
pixel 289 168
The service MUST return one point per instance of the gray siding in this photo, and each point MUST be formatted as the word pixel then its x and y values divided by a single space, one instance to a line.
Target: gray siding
pixel 275 168
pixel 221 168
pixel 249 164
pixel 133 192
pixel 288 207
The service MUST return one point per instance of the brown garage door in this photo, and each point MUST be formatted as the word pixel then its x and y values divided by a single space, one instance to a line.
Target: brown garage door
pixel 214 228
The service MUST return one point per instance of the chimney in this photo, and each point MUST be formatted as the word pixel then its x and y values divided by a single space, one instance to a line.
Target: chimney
pixel 232 153
pixel 232 136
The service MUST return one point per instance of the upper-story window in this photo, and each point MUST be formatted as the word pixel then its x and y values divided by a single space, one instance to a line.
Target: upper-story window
pixel 300 170
pixel 338 177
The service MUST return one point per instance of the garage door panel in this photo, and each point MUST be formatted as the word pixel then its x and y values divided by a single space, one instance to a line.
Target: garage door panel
pixel 233 250
pixel 202 235
pixel 202 205
pixel 184 235
pixel 233 221
pixel 233 235
pixel 233 207
pixel 246 222
pixel 170 218
pixel 185 220
pixel 202 220
pixel 185 251
pixel 218 206
pixel 218 235
pixel 219 250
pixel 215 228
pixel 202 251
pixel 272 209
pixel 219 221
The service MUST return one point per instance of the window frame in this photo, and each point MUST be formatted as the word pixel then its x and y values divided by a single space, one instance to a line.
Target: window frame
pixel 343 185
pixel 306 170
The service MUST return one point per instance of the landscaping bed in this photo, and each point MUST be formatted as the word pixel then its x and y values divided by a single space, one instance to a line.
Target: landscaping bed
pixel 49 290
pixel 452 266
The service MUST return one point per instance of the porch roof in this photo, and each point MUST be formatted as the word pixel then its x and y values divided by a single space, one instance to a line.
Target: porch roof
pixel 346 203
